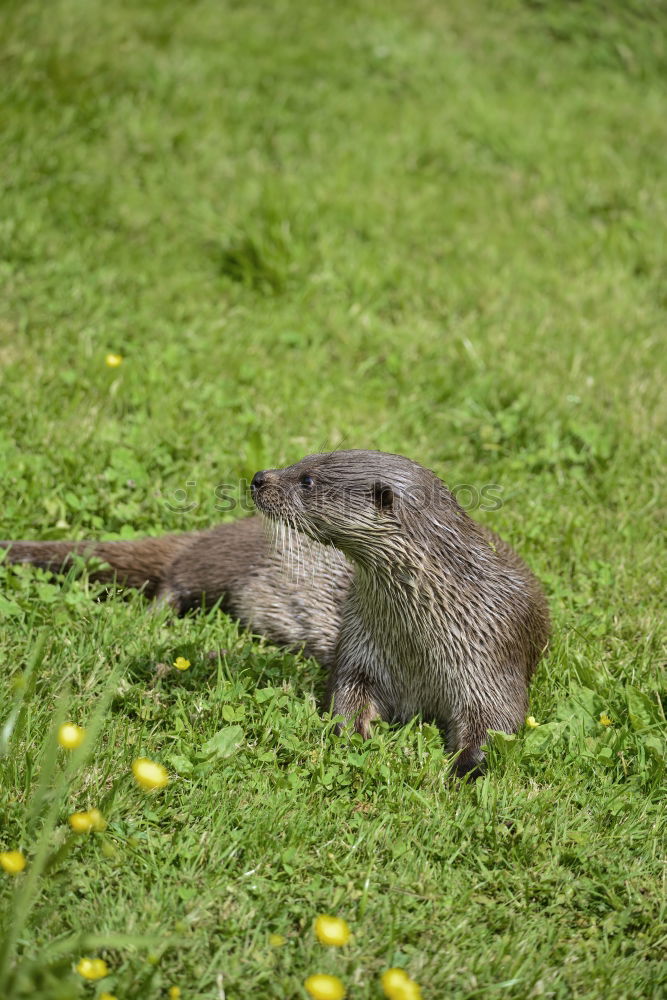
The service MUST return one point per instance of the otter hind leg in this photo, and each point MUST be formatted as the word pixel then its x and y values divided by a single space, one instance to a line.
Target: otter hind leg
pixel 469 731
pixel 469 764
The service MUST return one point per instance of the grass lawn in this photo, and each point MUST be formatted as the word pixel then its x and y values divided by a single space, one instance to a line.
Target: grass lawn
pixel 431 228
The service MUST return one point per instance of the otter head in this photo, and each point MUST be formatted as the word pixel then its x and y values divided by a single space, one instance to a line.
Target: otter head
pixel 353 500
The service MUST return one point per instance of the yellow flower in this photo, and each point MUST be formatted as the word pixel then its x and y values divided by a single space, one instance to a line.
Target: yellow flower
pixel 81 822
pixel 181 663
pixel 98 820
pixel 392 978
pixel 531 723
pixel 277 940
pixel 605 720
pixel 331 930
pixel 323 987
pixel 71 736
pixel 113 360
pixel 84 822
pixel 148 774
pixel 397 985
pixel 13 862
pixel 92 968
pixel 107 996
pixel 174 992
pixel 392 981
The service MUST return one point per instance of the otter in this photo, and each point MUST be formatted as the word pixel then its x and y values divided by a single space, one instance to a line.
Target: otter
pixel 234 565
pixel 426 612
pixel 442 618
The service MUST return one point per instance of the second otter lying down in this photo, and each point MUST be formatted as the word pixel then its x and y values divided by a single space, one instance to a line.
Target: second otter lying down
pixel 430 613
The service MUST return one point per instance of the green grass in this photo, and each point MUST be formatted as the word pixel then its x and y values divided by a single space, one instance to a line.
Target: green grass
pixel 431 228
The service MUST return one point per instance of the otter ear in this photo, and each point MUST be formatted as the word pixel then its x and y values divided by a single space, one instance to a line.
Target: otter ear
pixel 383 496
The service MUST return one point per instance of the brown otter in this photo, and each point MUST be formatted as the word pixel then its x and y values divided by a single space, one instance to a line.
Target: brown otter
pixel 430 613
pixel 441 619
pixel 235 564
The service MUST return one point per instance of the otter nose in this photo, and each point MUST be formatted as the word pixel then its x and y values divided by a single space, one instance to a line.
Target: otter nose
pixel 258 481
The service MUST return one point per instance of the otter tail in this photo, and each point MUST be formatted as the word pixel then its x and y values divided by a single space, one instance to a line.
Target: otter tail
pixel 140 563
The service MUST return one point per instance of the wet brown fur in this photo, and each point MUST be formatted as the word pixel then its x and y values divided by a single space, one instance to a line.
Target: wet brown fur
pixel 430 613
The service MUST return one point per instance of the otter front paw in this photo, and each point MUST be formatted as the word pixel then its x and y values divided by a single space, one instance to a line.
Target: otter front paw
pixel 358 708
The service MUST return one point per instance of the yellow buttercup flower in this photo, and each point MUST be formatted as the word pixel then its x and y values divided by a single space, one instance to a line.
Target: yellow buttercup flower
pixel 113 360
pixel 322 987
pixel 71 736
pixel 92 968
pixel 12 862
pixel 149 774
pixel 181 663
pixel 392 981
pixel 174 992
pixel 393 977
pixel 531 722
pixel 84 822
pixel 277 940
pixel 605 720
pixel 81 822
pixel 397 985
pixel 98 820
pixel 331 931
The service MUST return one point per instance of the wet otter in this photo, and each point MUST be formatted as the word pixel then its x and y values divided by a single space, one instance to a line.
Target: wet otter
pixel 429 612
pixel 441 619
pixel 235 564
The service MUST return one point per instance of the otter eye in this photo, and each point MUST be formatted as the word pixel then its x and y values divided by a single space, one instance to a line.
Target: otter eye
pixel 307 482
pixel 383 496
